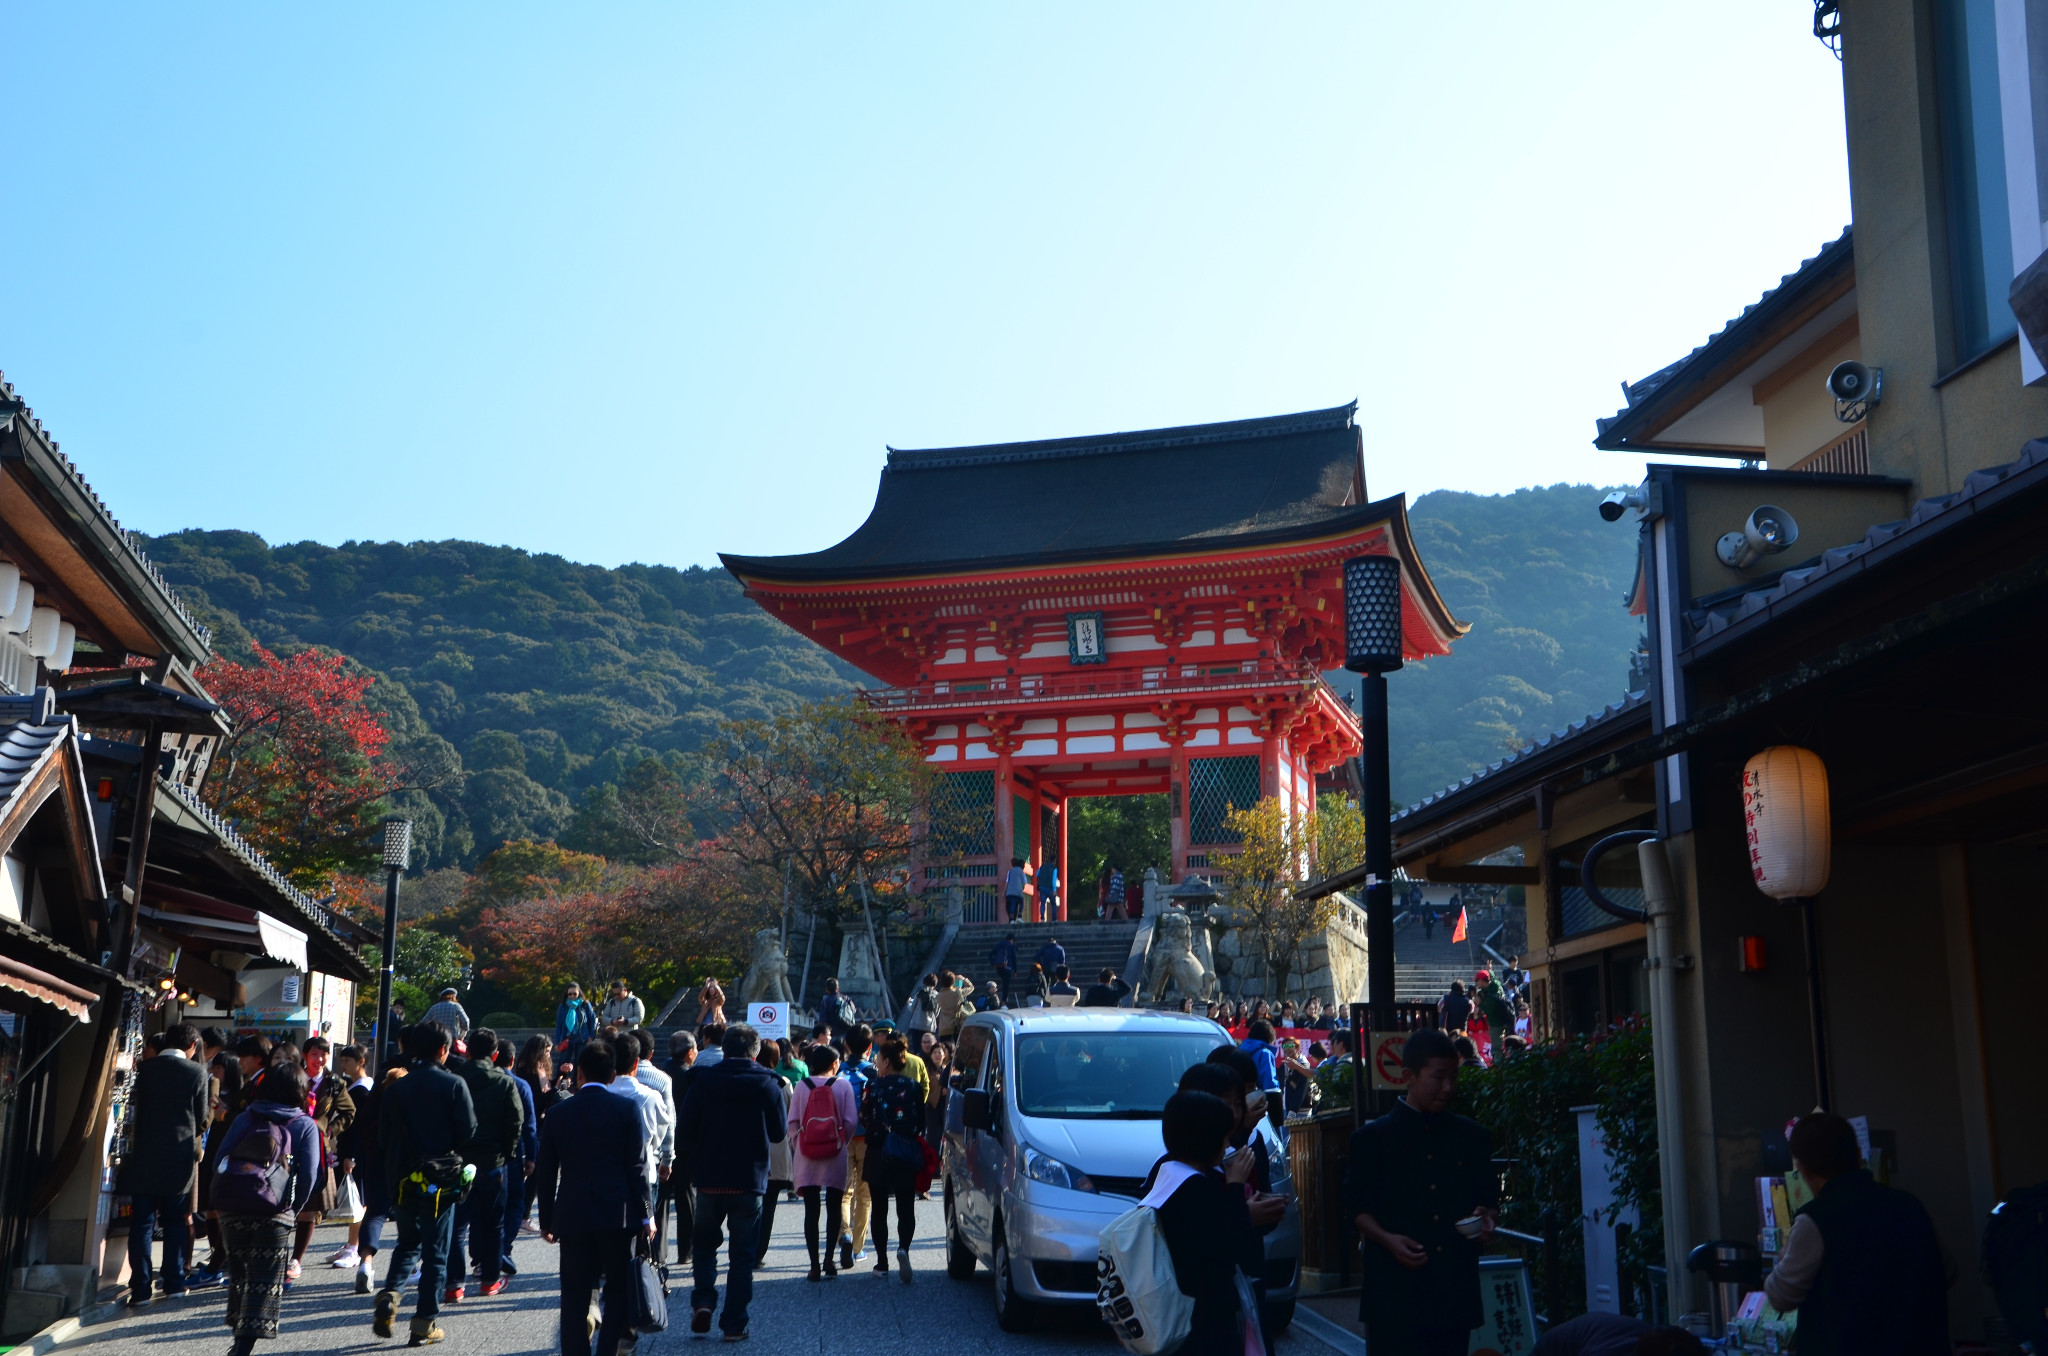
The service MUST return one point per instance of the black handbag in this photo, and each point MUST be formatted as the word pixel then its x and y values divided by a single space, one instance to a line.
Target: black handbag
pixel 649 1296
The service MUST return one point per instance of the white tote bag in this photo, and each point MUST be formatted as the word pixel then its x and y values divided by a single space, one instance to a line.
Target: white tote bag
pixel 1135 1286
pixel 348 1202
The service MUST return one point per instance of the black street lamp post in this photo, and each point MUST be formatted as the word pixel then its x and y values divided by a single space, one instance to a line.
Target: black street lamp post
pixel 1372 648
pixel 397 848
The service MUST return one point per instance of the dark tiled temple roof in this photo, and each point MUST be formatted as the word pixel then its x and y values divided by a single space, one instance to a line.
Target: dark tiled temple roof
pixel 1120 494
pixel 1927 517
pixel 1648 398
pixel 1563 741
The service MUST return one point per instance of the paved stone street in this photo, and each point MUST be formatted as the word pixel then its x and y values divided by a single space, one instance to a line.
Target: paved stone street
pixel 862 1314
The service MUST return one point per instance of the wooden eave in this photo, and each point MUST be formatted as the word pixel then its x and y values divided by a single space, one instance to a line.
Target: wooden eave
pixel 67 546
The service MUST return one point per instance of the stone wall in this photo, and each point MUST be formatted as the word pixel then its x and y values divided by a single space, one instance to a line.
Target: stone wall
pixel 1330 965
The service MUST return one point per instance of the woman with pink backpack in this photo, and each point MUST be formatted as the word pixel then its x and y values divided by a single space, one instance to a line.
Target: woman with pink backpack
pixel 823 1120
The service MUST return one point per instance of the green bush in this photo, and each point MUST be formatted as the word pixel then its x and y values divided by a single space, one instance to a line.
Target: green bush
pixel 1527 1103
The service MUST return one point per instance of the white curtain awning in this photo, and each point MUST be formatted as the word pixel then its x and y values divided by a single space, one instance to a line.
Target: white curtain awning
pixel 281 941
pixel 244 929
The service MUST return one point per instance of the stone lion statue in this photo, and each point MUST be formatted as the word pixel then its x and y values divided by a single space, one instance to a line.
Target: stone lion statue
pixel 767 979
pixel 1173 959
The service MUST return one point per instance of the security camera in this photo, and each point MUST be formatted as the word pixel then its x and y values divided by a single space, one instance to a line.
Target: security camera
pixel 1620 502
pixel 1767 531
pixel 1855 388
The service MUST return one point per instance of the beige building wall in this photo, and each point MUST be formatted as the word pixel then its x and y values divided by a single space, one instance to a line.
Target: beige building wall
pixel 1799 414
pixel 1939 420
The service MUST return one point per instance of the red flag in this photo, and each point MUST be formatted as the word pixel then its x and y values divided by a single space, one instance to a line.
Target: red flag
pixel 1458 932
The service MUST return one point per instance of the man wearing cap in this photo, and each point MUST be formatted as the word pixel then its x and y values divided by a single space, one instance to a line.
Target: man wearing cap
pixel 449 1013
pixel 1493 1006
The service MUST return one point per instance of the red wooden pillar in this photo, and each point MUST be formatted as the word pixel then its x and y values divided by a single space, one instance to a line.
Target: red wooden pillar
pixel 1066 884
pixel 1006 831
pixel 1179 809
pixel 1269 763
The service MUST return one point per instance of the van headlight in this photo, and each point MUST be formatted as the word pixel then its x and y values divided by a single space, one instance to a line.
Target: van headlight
pixel 1052 1172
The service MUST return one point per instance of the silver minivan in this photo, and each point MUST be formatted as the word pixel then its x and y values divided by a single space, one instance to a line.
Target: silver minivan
pixel 1051 1131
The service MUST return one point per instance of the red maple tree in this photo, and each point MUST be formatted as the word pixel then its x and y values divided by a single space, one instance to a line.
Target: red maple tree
pixel 305 774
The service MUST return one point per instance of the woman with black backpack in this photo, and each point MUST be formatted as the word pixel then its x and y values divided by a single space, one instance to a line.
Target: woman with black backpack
pixel 266 1172
pixel 892 1114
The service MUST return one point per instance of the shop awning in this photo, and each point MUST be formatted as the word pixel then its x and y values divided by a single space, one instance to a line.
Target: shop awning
pixel 231 927
pixel 41 984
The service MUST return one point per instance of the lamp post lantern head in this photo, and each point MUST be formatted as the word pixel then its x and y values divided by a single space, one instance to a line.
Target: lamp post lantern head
pixel 1372 614
pixel 397 843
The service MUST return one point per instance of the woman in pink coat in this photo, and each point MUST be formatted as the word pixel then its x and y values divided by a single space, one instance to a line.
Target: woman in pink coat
pixel 823 1119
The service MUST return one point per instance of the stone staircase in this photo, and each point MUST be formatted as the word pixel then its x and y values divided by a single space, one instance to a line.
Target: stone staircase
pixel 1090 947
pixel 1425 967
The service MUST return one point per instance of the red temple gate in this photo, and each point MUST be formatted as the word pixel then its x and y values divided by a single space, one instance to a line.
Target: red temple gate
pixel 1132 613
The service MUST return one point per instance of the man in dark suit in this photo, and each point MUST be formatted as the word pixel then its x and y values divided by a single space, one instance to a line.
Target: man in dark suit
pixel 1414 1173
pixel 591 1185
pixel 167 1117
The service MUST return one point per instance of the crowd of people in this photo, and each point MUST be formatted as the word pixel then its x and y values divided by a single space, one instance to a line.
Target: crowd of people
pixel 463 1141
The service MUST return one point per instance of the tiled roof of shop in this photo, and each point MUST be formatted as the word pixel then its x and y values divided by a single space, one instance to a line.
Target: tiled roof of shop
pixel 1580 729
pixel 129 540
pixel 1614 431
pixel 1927 516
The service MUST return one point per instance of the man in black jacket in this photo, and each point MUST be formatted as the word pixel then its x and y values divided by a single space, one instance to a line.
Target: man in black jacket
pixel 168 1113
pixel 591 1184
pixel 1861 1263
pixel 733 1112
pixel 480 1219
pixel 681 1068
pixel 1106 992
pixel 425 1121
pixel 1414 1173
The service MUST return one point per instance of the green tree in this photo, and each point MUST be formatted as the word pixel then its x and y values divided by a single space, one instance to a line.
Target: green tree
pixel 424 963
pixel 1127 832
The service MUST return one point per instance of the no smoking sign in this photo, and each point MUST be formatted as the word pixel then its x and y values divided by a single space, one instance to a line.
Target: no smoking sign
pixel 1388 1073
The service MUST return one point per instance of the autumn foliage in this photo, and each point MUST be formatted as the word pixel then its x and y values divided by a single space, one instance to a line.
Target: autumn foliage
pixel 661 926
pixel 305 772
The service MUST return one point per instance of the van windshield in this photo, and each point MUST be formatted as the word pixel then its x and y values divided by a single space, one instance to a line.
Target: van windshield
pixel 1109 1075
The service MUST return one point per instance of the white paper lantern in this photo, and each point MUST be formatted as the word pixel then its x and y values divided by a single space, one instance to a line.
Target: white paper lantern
pixel 42 632
pixel 10 585
pixel 67 648
pixel 1785 819
pixel 24 610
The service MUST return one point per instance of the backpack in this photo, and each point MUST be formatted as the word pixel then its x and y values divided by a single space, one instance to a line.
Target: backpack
pixel 1136 1288
pixel 254 1174
pixel 819 1135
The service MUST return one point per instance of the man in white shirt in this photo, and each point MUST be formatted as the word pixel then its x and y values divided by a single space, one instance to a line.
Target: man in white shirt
pixel 657 1113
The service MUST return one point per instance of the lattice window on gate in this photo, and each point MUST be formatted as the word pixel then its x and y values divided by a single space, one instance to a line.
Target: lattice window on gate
pixel 963 815
pixel 1216 786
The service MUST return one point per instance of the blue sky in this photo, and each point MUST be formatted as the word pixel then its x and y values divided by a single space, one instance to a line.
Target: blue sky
pixel 647 283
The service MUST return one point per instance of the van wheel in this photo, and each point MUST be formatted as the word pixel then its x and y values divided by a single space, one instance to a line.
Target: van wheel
pixel 959 1257
pixel 1014 1313
pixel 1279 1313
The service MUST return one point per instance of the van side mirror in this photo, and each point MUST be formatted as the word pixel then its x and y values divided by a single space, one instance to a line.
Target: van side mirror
pixel 976 1111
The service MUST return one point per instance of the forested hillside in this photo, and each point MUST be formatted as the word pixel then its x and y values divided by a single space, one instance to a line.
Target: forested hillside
pixel 533 681
pixel 1541 578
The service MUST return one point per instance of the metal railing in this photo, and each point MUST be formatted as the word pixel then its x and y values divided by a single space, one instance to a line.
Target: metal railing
pixel 1095 684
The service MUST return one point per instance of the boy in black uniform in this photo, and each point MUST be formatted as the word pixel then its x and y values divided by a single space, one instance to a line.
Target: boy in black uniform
pixel 1414 1173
